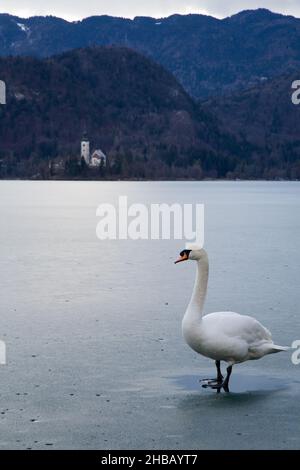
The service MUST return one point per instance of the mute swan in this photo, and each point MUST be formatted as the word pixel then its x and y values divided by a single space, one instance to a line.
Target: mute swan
pixel 221 336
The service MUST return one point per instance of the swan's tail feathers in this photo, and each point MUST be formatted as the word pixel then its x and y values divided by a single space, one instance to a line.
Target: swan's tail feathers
pixel 276 348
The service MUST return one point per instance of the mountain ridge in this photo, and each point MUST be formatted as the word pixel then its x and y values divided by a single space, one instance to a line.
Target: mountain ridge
pixel 208 56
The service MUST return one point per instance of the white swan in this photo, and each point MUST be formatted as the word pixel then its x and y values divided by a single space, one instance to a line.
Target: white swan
pixel 222 336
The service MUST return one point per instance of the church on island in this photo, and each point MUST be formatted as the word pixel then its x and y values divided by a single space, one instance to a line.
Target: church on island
pixel 93 160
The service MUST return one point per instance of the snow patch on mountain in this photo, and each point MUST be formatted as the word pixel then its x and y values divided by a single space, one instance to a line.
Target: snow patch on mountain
pixel 23 27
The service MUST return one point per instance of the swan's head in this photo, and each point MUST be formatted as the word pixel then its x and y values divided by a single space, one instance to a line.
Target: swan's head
pixel 193 252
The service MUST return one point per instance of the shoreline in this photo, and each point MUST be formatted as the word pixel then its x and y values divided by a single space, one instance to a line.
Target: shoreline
pixel 137 180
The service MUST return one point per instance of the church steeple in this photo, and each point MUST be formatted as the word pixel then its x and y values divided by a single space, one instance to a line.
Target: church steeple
pixel 85 148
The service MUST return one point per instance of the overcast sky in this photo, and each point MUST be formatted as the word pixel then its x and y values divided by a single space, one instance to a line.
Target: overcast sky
pixel 77 9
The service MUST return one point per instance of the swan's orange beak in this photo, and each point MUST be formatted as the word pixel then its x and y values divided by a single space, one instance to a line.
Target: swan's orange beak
pixel 182 258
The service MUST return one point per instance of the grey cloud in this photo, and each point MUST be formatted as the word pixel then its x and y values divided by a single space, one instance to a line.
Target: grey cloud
pixel 75 9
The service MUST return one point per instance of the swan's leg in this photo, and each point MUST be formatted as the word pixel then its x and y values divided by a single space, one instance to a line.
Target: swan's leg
pixel 225 384
pixel 219 375
pixel 219 372
pixel 226 381
pixel 217 380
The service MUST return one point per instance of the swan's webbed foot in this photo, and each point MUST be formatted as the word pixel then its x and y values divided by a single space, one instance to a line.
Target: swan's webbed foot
pixel 219 387
pixel 215 385
pixel 219 383
pixel 210 382
pixel 214 382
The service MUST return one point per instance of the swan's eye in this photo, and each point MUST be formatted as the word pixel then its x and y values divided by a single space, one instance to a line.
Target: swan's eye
pixel 185 253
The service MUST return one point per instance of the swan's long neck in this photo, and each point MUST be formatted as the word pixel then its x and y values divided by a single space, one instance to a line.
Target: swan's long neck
pixel 194 311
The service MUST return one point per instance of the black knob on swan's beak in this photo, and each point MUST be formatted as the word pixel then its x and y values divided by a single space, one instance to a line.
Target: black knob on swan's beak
pixel 184 256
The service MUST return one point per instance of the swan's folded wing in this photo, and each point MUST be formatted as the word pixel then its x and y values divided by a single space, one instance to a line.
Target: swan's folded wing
pixel 239 326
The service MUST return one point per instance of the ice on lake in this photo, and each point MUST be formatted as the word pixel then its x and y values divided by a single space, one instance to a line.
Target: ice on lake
pixel 93 328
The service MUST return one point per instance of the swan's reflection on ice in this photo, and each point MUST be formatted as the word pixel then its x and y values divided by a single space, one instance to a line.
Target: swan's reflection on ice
pixel 241 384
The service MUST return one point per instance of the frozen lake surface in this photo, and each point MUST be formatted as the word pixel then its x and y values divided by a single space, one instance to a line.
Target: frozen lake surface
pixel 93 329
